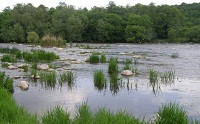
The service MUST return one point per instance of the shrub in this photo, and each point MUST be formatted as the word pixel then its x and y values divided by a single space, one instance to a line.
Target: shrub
pixel 6 82
pixel 52 41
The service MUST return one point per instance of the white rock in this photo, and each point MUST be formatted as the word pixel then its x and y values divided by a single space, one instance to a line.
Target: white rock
pixel 76 62
pixel 36 77
pixel 8 63
pixel 126 73
pixel 23 85
pixel 58 49
pixel 43 67
pixel 122 53
pixel 137 56
pixel 51 69
pixel 12 67
pixel 21 65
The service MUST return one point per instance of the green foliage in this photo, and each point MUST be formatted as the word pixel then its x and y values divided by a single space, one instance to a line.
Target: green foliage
pixel 56 116
pixel 10 112
pixel 99 80
pixel 127 67
pixel 68 77
pixel 48 78
pixel 113 66
pixel 168 76
pixel 171 114
pixel 8 58
pixel 38 55
pixel 32 37
pixel 103 58
pixel 9 50
pixel 94 58
pixel 52 41
pixel 6 82
pixel 4 65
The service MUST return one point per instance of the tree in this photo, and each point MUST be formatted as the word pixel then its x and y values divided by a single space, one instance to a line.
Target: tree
pixel 32 37
pixel 101 30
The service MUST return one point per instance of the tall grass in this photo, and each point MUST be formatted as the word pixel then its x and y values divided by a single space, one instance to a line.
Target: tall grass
pixel 11 113
pixel 38 55
pixel 153 78
pixel 168 76
pixel 56 116
pixel 8 58
pixel 171 114
pixel 6 82
pixel 68 77
pixel 102 58
pixel 48 78
pixel 113 66
pixel 127 61
pixel 99 80
pixel 114 83
pixel 94 58
pixel 127 67
pixel 52 41
pixel 9 50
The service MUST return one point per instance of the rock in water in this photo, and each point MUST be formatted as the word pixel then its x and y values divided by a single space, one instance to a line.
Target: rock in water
pixel 43 67
pixel 126 73
pixel 12 67
pixel 23 85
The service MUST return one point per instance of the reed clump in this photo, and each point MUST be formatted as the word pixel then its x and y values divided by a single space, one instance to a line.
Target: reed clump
pixel 8 58
pixel 94 58
pixel 6 82
pixel 113 66
pixel 99 80
pixel 48 78
pixel 52 41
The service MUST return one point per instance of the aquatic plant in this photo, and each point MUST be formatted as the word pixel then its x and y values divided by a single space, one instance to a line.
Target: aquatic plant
pixel 56 116
pixel 171 114
pixel 114 83
pixel 127 61
pixel 102 58
pixel 52 41
pixel 52 65
pixel 113 66
pixel 4 65
pixel 6 82
pixel 135 71
pixel 68 77
pixel 8 58
pixel 153 76
pixel 9 50
pixel 94 58
pixel 48 78
pixel 127 67
pixel 34 66
pixel 39 55
pixel 168 76
pixel 25 67
pixel 99 80
pixel 174 55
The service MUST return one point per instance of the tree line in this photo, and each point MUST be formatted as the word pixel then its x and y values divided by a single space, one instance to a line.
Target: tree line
pixel 137 23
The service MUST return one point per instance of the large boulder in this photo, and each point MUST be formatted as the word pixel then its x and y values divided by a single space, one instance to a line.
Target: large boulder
pixel 23 85
pixel 43 67
pixel 126 73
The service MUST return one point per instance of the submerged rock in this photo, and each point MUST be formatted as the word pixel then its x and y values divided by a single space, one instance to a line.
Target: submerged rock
pixel 137 56
pixel 122 53
pixel 16 77
pixel 23 85
pixel 126 73
pixel 12 67
pixel 43 67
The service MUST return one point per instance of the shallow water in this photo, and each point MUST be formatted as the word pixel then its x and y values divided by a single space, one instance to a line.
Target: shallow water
pixel 137 97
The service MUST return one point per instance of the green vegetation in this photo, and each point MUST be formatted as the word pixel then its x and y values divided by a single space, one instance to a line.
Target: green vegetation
pixel 38 55
pixel 50 41
pixel 68 77
pixel 4 65
pixel 94 58
pixel 171 114
pixel 6 82
pixel 168 76
pixel 127 67
pixel 11 113
pixel 56 116
pixel 113 23
pixel 103 58
pixel 113 65
pixel 114 83
pixel 8 58
pixel 48 78
pixel 127 61
pixel 9 50
pixel 99 80
pixel 153 76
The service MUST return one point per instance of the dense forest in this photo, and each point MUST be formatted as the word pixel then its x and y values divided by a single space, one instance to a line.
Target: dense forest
pixel 110 24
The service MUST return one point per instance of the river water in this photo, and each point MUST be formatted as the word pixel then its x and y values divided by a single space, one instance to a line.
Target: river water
pixel 134 95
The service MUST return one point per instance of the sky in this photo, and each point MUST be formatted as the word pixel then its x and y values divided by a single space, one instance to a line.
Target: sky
pixel 89 3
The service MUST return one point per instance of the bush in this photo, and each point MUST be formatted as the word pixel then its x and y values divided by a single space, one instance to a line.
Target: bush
pixel 52 41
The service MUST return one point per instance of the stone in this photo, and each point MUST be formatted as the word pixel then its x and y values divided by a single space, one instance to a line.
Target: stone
pixel 21 65
pixel 126 73
pixel 21 70
pixel 23 85
pixel 16 77
pixel 8 63
pixel 12 67
pixel 122 53
pixel 137 56
pixel 58 49
pixel 43 67
pixel 51 69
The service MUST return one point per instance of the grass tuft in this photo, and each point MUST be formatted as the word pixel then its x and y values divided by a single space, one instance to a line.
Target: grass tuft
pixel 99 80
pixel 113 66
pixel 8 58
pixel 6 82
pixel 94 58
